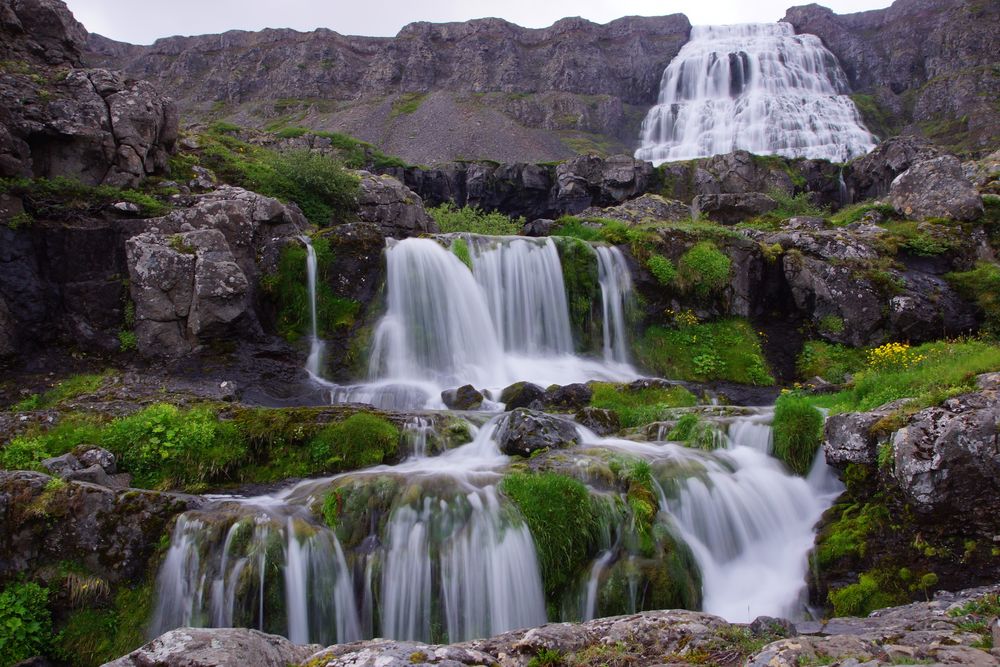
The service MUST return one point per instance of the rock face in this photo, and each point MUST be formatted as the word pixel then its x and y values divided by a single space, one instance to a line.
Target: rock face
pixel 588 180
pixel 222 647
pixel 523 431
pixel 56 119
pixel 397 210
pixel 484 89
pixel 925 64
pixel 112 533
pixel 946 459
pixel 194 273
pixel 730 209
pixel 870 176
pixel 642 208
pixel 936 188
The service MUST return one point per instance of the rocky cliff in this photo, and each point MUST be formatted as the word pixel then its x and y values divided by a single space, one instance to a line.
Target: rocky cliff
pixel 923 66
pixel 481 89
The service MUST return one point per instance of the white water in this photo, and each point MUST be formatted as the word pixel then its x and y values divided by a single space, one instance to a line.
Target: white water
pixel 757 87
pixel 314 362
pixel 505 321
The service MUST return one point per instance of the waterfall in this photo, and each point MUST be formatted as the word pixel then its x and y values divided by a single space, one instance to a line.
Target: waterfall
pixel 757 87
pixel 616 289
pixel 315 360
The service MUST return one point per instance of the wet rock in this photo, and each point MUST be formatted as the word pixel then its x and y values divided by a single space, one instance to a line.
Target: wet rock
pixel 730 209
pixel 221 647
pixel 946 459
pixel 465 397
pixel 521 395
pixel 93 474
pixel 936 188
pixel 538 227
pixel 396 209
pixel 524 431
pixel 568 397
pixel 600 421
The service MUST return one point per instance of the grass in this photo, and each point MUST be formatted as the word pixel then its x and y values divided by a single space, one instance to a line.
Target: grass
pixel 460 249
pixel 703 270
pixel 924 239
pixel 981 285
pixel 798 430
pixel 727 349
pixel 406 103
pixel 830 361
pixel 637 407
pixel 854 212
pixel 360 441
pixel 92 637
pixel 353 153
pixel 63 198
pixel 449 219
pixel 64 390
pixel 25 622
pixel 559 514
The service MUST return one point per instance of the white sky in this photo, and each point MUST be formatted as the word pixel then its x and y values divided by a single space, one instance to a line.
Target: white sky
pixel 143 21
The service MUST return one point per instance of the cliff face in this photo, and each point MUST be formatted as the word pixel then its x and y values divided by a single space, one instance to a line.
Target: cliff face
pixel 919 66
pixel 481 89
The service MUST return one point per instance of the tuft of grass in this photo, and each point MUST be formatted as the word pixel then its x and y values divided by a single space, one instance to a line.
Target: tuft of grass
pixel 798 431
pixel 637 407
pixel 662 269
pixel 406 103
pixel 703 270
pixel 726 349
pixel 359 441
pixel 460 249
pixel 449 218
pixel 855 212
pixel 94 637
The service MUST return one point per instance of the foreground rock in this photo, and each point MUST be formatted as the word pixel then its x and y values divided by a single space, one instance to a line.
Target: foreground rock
pixel 523 431
pixel 395 208
pixel 197 647
pixel 925 632
pixel 936 188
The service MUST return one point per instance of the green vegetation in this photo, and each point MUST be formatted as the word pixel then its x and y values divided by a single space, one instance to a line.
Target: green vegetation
pixel 597 230
pixel 165 447
pixel 637 407
pixel 65 390
pixel 460 249
pixel 580 279
pixel 830 361
pixel 703 270
pixel 831 324
pixel 94 636
pixel 726 349
pixel 925 239
pixel 977 616
pixel 847 537
pixel 694 432
pixel 60 198
pixel 359 441
pixel 547 658
pixel 353 153
pixel 25 622
pixel 876 118
pixel 855 212
pixel 27 451
pixel 798 430
pixel 560 516
pixel 790 206
pixel 472 220
pixel 288 290
pixel 406 103
pixel 662 269
pixel 981 285
pixel 863 597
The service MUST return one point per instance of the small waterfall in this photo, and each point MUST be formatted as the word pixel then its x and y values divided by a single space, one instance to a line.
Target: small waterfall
pixel 316 346
pixel 416 431
pixel 616 290
pixel 757 87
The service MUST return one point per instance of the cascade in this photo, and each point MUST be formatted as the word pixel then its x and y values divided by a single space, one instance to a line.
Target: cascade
pixel 757 87
pixel 616 288
pixel 314 362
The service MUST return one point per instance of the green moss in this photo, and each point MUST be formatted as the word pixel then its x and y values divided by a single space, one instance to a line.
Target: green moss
pixel 474 221
pixel 703 270
pixel 854 212
pixel 874 590
pixel 25 622
pixel 289 291
pixel 636 407
pixel 798 430
pixel 831 324
pixel 981 285
pixel 723 350
pixel 461 250
pixel 357 506
pixel 830 361
pixel 847 536
pixel 62 198
pixel 360 441
pixel 662 269
pixel 559 515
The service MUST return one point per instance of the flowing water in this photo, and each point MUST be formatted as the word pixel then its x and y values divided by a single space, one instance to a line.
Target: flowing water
pixel 314 362
pixel 757 87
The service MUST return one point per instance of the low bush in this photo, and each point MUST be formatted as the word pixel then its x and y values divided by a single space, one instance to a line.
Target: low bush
pixel 60 198
pixel 703 270
pixel 359 441
pixel 25 623
pixel 449 218
pixel 798 431
pixel 855 212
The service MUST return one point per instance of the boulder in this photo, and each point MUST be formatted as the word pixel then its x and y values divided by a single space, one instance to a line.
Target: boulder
pixel 60 466
pixel 465 397
pixel 730 209
pixel 870 176
pixel 521 395
pixel 396 209
pixel 936 188
pixel 589 180
pixel 217 647
pixel 93 474
pixel 848 437
pixel 538 227
pixel 641 209
pixel 89 455
pixel 568 397
pixel 600 421
pixel 524 431
pixel 946 459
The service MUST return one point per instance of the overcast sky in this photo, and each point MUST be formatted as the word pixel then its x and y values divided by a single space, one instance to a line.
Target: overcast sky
pixel 143 21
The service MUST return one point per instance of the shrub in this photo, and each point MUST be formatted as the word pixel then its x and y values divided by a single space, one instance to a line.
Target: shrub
pixel 703 269
pixel 165 446
pixel 723 350
pixel 559 515
pixel 573 227
pixel 790 206
pixel 360 441
pixel 317 183
pixel 798 430
pixel 27 451
pixel 25 622
pixel 981 285
pixel 472 220
pixel 662 269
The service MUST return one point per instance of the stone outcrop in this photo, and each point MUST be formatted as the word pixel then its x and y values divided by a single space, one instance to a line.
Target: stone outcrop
pixel 397 210
pixel 524 431
pixel 193 275
pixel 57 119
pixel 222 647
pixel 588 180
pixel 730 209
pixel 925 65
pixel 465 397
pixel 870 176
pixel 936 188
pixel 641 209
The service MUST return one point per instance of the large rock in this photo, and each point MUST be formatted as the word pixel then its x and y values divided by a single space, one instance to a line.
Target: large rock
pixel 936 188
pixel 465 397
pixel 40 30
pixel 219 647
pixel 642 209
pixel 589 180
pixel 870 176
pixel 521 395
pixel 946 459
pixel 730 209
pixel 193 274
pixel 523 431
pixel 397 210
pixel 849 437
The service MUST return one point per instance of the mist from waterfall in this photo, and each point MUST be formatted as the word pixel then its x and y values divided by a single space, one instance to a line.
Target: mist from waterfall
pixel 756 87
